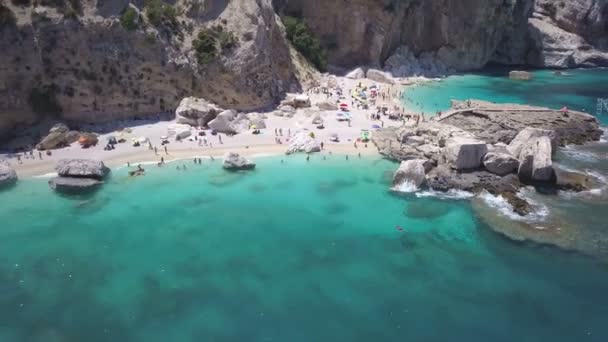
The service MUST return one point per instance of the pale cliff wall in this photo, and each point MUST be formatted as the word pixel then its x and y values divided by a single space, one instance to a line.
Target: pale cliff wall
pixel 100 71
pixel 443 35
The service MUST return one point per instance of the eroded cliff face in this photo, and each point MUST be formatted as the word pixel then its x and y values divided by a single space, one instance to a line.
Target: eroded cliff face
pixel 74 60
pixel 438 36
pixel 84 66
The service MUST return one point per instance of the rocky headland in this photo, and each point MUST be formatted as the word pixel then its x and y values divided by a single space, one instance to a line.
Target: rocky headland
pixel 479 146
pixel 78 175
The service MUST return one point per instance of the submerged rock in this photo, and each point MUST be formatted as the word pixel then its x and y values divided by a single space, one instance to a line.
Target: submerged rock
pixel 73 184
pixel 234 162
pixel 82 168
pixel 520 75
pixel 8 176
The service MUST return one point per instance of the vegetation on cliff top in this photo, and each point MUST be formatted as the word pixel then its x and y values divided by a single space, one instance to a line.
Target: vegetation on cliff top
pixel 161 14
pixel 128 18
pixel 305 42
pixel 211 41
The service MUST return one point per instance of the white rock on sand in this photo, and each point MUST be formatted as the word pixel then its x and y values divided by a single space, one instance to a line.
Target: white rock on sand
pixel 303 142
pixel 196 112
pixel 356 74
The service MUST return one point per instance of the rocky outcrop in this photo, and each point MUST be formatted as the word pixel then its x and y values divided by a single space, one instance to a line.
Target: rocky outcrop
pixel 196 112
pixel 78 175
pixel 356 74
pixel 81 168
pixel 223 122
pixel 303 142
pixel 460 159
pixel 465 153
pixel 234 162
pixel 411 174
pixel 379 76
pixel 85 67
pixel 59 136
pixel 8 176
pixel 535 163
pixel 495 123
pixel 500 163
pixel 434 37
pixel 179 131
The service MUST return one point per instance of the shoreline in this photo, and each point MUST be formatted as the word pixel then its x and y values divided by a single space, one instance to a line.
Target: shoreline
pixel 46 168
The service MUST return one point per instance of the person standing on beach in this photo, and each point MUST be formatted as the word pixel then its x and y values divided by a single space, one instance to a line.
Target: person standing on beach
pixel 155 151
pixel 220 138
pixel 40 155
pixel 166 152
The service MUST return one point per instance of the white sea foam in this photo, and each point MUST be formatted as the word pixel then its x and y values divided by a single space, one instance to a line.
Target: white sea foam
pixel 47 175
pixel 539 213
pixel 451 194
pixel 405 187
pixel 585 156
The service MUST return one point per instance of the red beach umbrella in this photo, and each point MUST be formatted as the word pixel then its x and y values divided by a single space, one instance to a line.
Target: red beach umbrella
pixel 343 105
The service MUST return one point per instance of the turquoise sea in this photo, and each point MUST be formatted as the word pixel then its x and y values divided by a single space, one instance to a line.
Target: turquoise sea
pixel 304 251
pixel 579 89
pixel 294 251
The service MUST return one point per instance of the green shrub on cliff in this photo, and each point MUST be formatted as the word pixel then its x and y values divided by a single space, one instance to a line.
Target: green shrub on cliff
pixel 128 19
pixel 161 14
pixel 305 42
pixel 211 41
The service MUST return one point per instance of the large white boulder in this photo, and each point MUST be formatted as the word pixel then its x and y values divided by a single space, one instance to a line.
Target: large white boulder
pixel 524 136
pixel 223 122
pixel 179 131
pixel 7 175
pixel 302 101
pixel 234 162
pixel 411 175
pixel 464 152
pixel 196 112
pixel 500 163
pixel 303 142
pixel 356 74
pixel 81 168
pixel 535 162
pixel 380 76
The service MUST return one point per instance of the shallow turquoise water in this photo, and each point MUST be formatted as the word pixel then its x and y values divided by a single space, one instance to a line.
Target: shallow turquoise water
pixel 290 252
pixel 582 89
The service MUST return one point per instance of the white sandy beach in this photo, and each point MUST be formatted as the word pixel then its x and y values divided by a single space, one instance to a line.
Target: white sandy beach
pixel 246 143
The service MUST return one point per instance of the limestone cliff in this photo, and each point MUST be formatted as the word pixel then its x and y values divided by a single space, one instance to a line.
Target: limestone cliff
pixel 87 61
pixel 76 61
pixel 437 36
